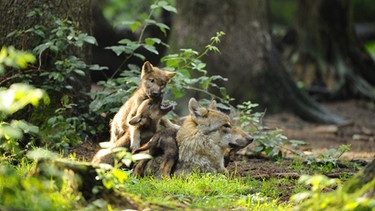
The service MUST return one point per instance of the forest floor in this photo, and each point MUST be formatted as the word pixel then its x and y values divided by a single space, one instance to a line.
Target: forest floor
pixel 359 133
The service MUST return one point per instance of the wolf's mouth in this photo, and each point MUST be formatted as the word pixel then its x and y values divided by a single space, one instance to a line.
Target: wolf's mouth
pixel 234 146
pixel 166 108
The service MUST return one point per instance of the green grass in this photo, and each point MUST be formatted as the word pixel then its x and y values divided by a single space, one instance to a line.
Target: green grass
pixel 207 191
pixel 20 188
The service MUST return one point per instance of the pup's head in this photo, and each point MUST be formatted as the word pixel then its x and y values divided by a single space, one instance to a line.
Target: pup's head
pixel 149 111
pixel 154 80
pixel 218 126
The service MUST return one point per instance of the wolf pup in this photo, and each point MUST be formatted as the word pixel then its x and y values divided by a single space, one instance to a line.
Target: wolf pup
pixel 163 144
pixel 143 124
pixel 152 86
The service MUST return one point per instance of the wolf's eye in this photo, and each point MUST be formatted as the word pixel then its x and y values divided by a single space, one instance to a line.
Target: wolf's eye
pixel 227 125
pixel 152 80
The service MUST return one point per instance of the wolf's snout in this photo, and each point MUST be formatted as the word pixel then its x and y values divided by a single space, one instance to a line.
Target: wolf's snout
pixel 155 94
pixel 249 139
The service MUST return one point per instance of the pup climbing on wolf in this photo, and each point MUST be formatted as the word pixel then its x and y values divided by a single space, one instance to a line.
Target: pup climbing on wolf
pixel 152 86
pixel 137 120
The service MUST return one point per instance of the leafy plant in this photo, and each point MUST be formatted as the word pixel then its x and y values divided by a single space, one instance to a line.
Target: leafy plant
pixel 22 191
pixel 13 99
pixel 58 68
pixel 340 199
pixel 268 141
pixel 191 72
pixel 10 57
pixel 117 177
pixel 327 160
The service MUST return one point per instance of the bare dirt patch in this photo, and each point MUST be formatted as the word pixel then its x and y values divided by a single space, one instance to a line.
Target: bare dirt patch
pixel 359 132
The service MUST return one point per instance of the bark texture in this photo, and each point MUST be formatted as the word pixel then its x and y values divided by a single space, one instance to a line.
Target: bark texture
pixel 331 61
pixel 248 57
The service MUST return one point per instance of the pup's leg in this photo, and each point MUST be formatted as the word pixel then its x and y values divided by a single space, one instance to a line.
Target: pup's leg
pixel 135 138
pixel 150 145
pixel 139 170
pixel 168 124
pixel 166 167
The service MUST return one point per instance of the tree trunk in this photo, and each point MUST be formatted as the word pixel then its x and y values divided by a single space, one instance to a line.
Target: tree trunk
pixel 248 58
pixel 15 17
pixel 331 61
pixel 362 178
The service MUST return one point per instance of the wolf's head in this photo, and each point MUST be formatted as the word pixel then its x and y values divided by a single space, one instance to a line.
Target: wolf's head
pixel 148 112
pixel 217 126
pixel 154 80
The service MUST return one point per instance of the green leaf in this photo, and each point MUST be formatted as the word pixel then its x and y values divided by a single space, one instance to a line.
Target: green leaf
pixel 151 48
pixel 90 40
pixel 79 72
pixel 25 126
pixel 152 41
pixel 177 92
pixel 139 56
pixel 161 26
pixel 9 132
pixel 40 153
pixel 170 8
pixel 300 196
pixel 165 5
pixel 134 26
pixel 120 175
pixel 96 67
pixel 184 72
pixel 118 50
pixel 206 83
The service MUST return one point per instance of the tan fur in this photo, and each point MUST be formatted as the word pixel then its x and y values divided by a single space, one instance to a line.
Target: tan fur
pixel 148 114
pixel 203 140
pixel 152 86
pixel 137 120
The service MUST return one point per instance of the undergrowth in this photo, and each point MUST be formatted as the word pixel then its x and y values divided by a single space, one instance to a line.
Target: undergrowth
pixel 19 188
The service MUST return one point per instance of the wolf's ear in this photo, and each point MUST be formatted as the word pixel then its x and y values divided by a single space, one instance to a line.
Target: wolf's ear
pixel 213 105
pixel 169 74
pixel 196 109
pixel 147 68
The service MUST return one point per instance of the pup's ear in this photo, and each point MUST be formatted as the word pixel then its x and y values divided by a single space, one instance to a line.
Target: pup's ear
pixel 196 110
pixel 147 68
pixel 213 105
pixel 135 120
pixel 169 74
